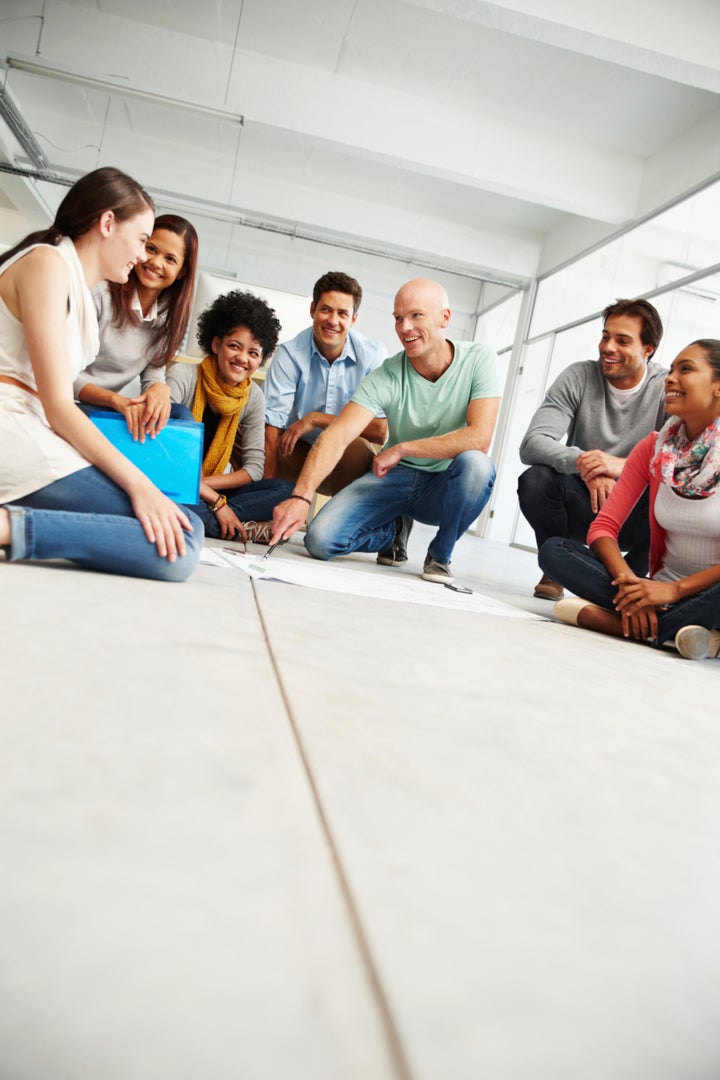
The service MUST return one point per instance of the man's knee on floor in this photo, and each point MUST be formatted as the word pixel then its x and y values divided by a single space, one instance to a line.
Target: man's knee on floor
pixel 319 539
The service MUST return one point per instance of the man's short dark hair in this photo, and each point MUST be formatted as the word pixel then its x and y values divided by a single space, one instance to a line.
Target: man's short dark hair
pixel 652 327
pixel 336 281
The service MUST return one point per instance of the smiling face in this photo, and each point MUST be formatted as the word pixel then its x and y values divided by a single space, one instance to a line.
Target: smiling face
pixel 692 390
pixel 124 243
pixel 332 317
pixel 239 355
pixel 421 313
pixel 622 354
pixel 164 261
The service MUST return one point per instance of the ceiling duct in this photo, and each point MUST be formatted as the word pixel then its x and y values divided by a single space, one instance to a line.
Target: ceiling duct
pixel 13 118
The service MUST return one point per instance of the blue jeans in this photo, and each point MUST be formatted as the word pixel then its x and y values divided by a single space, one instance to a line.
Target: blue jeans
pixel 253 502
pixel 364 515
pixel 575 567
pixel 87 518
pixel 556 504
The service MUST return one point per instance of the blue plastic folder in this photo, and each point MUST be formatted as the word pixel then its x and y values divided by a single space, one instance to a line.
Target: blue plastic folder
pixel 172 460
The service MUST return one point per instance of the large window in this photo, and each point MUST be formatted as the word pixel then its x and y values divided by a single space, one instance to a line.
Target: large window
pixel 498 324
pixel 673 260
pixel 672 246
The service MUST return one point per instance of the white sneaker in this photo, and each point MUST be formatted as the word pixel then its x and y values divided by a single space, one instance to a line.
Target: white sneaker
pixel 697 643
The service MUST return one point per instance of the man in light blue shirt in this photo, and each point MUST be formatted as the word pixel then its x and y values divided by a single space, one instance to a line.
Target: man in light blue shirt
pixel 312 378
pixel 441 400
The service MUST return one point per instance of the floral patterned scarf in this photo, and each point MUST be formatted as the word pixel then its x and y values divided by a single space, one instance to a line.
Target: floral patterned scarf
pixel 690 466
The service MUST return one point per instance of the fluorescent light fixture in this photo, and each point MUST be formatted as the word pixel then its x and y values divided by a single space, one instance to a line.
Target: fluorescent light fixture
pixel 34 67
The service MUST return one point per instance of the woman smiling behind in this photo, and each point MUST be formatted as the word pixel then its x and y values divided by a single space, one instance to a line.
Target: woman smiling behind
pixel 142 323
pixel 52 457
pixel 236 333
pixel 680 602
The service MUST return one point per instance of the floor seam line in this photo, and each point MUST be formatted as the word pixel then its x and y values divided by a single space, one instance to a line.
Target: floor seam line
pixel 392 1035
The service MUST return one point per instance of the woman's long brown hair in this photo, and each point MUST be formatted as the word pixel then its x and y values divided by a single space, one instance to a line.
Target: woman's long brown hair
pixel 175 301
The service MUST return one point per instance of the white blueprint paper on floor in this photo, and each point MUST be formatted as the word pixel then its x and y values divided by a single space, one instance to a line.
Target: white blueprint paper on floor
pixel 332 577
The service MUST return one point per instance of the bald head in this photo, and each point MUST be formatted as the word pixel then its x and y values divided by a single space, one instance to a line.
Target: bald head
pixel 421 313
pixel 425 292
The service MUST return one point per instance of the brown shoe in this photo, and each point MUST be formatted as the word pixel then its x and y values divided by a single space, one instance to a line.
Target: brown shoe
pixel 547 589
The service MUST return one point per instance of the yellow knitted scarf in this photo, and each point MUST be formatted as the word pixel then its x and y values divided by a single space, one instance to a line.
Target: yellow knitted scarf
pixel 225 400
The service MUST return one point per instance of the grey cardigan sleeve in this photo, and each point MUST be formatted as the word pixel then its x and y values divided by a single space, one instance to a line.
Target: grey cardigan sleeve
pixel 542 443
pixel 151 375
pixel 249 450
pixel 182 378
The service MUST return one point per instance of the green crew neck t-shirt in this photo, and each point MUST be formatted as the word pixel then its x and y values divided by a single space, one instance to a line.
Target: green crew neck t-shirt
pixel 419 409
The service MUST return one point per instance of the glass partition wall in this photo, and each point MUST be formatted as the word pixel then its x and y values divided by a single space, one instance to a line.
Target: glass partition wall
pixel 672 259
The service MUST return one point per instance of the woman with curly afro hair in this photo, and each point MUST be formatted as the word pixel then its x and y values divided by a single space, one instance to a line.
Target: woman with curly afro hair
pixel 236 333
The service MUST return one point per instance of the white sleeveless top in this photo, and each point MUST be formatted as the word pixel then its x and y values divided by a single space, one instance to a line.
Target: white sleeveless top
pixel 31 454
pixel 692 527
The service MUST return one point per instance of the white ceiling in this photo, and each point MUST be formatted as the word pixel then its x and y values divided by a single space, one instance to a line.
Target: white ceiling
pixel 483 137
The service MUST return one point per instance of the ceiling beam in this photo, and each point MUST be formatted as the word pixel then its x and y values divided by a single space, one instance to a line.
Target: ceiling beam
pixel 656 37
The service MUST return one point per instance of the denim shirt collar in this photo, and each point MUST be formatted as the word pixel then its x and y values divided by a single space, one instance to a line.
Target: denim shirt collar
pixel 347 354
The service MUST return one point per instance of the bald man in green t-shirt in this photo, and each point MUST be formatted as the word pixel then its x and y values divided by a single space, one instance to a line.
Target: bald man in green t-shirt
pixel 441 400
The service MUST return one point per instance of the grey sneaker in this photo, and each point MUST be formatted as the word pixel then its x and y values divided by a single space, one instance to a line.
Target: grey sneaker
pixel 436 571
pixel 396 555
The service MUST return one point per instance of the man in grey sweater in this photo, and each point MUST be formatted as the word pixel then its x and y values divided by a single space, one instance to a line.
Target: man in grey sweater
pixel 605 407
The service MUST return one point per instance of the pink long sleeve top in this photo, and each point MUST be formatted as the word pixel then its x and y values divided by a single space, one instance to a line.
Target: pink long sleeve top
pixel 634 478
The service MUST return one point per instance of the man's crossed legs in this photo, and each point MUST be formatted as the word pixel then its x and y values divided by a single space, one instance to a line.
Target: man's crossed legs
pixel 558 505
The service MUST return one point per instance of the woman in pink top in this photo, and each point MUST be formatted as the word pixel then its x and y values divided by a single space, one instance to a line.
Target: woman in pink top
pixel 680 601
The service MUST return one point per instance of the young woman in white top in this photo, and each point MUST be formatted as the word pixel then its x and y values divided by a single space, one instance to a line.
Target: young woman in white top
pixel 142 323
pixel 680 602
pixel 65 491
